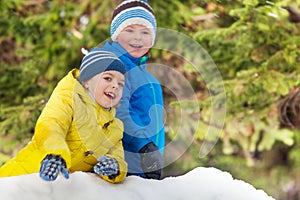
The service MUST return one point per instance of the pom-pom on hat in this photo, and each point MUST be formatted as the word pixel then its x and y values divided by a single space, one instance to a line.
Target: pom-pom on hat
pixel 131 12
pixel 97 61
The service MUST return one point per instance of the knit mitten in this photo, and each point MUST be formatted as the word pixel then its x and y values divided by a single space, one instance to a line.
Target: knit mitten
pixel 51 166
pixel 107 166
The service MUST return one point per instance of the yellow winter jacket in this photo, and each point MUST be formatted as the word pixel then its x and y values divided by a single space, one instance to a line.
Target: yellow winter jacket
pixel 74 126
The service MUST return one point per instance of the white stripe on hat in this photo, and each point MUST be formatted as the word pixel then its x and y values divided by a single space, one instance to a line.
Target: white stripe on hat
pixel 130 9
pixel 87 60
pixel 90 56
pixel 95 59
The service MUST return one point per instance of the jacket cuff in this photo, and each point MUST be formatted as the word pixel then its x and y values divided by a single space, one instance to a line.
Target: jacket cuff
pixel 138 143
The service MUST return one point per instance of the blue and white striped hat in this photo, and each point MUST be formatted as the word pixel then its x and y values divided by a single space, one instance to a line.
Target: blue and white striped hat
pixel 132 12
pixel 97 61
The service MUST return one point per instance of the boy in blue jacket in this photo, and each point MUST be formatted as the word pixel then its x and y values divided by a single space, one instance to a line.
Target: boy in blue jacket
pixel 133 31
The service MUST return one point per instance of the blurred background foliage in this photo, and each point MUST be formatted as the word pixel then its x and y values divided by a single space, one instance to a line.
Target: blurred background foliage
pixel 255 45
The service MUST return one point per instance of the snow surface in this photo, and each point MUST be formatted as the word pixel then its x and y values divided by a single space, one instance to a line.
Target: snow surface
pixel 199 184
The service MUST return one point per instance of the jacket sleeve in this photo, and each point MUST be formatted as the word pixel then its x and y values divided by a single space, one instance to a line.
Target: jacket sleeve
pixel 53 124
pixel 135 136
pixel 117 152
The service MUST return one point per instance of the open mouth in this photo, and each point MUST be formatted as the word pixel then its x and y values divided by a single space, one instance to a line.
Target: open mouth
pixel 137 46
pixel 110 95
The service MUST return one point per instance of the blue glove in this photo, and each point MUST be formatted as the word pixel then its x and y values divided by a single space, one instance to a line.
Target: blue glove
pixel 51 166
pixel 107 166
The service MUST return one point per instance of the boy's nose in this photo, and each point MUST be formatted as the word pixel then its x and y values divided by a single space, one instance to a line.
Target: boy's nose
pixel 115 85
pixel 138 35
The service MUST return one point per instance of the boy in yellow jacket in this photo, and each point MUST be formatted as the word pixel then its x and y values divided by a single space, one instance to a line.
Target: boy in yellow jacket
pixel 77 130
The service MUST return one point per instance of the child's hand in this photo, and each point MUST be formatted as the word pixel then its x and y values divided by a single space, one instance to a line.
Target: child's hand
pixel 107 166
pixel 151 160
pixel 51 166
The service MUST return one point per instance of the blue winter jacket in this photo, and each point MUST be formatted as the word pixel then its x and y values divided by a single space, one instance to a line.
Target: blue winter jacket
pixel 141 108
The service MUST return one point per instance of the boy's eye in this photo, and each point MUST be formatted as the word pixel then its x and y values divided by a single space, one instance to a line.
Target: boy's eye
pixel 121 84
pixel 129 30
pixel 145 32
pixel 107 78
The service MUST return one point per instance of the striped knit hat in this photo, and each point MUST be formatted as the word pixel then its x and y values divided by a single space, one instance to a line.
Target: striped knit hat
pixel 98 61
pixel 132 12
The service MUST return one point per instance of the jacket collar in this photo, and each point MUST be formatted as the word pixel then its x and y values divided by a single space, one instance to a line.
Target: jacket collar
pixel 129 61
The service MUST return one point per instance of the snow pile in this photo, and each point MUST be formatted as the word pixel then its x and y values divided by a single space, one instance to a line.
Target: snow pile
pixel 200 183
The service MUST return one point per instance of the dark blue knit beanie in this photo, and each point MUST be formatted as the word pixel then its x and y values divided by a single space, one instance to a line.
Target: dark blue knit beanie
pixel 98 61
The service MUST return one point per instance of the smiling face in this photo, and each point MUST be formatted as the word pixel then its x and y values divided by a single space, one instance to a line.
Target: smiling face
pixel 136 40
pixel 107 88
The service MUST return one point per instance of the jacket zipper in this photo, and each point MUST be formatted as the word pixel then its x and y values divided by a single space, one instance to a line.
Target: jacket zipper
pixel 154 98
